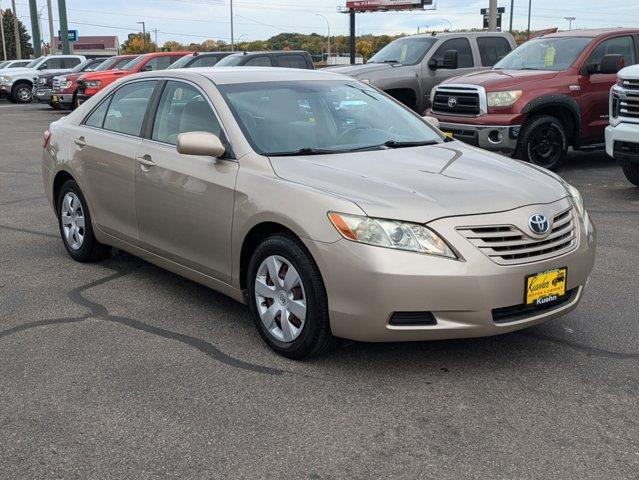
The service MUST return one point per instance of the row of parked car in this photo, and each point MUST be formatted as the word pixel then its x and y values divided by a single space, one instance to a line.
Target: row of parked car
pixel 533 102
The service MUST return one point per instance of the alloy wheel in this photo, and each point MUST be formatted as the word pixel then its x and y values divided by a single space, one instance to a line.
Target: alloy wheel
pixel 280 298
pixel 24 94
pixel 72 219
pixel 546 145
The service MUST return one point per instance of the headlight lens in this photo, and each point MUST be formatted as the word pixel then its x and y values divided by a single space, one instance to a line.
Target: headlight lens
pixel 64 84
pixel 503 99
pixel 577 199
pixel 42 81
pixel 391 234
pixel 93 83
pixel 5 78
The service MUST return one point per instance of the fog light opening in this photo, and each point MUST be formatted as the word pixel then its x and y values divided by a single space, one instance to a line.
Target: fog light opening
pixel 495 136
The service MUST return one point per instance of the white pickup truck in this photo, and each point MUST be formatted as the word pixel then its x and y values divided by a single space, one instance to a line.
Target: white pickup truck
pixel 17 83
pixel 622 136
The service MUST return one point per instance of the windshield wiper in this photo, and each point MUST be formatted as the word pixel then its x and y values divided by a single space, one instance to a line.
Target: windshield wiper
pixel 394 144
pixel 304 151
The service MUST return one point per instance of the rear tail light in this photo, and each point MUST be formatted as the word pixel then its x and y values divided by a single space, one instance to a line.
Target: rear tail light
pixel 46 138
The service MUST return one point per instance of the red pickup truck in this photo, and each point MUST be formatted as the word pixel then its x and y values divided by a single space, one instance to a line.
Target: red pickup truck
pixel 92 83
pixel 548 94
pixel 65 87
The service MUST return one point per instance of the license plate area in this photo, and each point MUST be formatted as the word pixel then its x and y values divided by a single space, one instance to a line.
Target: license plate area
pixel 545 287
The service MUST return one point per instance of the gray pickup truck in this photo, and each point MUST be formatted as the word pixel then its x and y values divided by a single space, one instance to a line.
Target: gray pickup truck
pixel 408 68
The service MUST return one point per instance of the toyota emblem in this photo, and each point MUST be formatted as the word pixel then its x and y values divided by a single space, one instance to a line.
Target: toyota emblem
pixel 452 102
pixel 539 224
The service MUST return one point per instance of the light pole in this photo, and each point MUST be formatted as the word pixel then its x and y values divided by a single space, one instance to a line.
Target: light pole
pixel 529 11
pixel 450 24
pixel 143 35
pixel 16 31
pixel 512 8
pixel 50 13
pixel 328 43
pixel 155 31
pixel 570 20
pixel 421 27
pixel 4 42
pixel 492 16
pixel 232 40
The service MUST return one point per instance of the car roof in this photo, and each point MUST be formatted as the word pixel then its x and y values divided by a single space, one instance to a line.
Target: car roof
pixel 593 32
pixel 266 52
pixel 458 34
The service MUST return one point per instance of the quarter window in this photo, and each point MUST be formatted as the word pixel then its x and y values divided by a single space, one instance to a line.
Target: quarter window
pixel 96 119
pixel 182 109
pixel 492 49
pixel 157 63
pixel 464 52
pixel 262 61
pixel 614 46
pixel 128 106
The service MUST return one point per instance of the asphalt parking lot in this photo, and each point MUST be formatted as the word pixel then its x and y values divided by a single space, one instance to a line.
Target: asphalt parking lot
pixel 122 370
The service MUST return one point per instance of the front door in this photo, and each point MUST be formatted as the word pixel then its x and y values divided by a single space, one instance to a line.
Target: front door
pixel 185 203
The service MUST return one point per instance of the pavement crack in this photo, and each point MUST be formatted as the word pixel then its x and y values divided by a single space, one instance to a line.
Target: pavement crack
pixel 599 352
pixel 42 323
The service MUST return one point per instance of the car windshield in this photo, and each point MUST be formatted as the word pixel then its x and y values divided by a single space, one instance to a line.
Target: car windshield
pixel 230 61
pixel 181 63
pixel 4 64
pixel 34 63
pixel 321 117
pixel 555 54
pixel 133 63
pixel 407 51
pixel 81 66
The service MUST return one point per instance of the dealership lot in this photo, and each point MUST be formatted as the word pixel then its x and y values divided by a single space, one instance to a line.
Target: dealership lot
pixel 121 369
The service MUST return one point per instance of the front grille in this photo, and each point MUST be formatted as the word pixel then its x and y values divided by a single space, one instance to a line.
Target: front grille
pixel 628 99
pixel 456 101
pixel 523 311
pixel 56 84
pixel 633 84
pixel 508 245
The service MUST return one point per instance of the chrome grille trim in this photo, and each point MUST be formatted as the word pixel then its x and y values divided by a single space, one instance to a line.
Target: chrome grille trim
pixel 508 245
pixel 472 92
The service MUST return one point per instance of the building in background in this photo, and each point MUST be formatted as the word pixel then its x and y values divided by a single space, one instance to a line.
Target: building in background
pixel 96 46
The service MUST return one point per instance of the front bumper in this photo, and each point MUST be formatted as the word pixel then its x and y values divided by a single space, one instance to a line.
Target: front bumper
pixel 490 137
pixel 366 285
pixel 63 99
pixel 622 142
pixel 5 89
pixel 42 94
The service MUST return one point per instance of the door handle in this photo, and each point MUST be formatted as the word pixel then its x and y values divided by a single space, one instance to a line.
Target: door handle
pixel 80 142
pixel 146 161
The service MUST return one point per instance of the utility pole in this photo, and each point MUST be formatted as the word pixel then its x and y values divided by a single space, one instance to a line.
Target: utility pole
pixel 232 39
pixel 35 28
pixel 16 31
pixel 52 38
pixel 4 42
pixel 143 36
pixel 512 9
pixel 155 31
pixel 492 16
pixel 328 46
pixel 529 11
pixel 570 20
pixel 351 15
pixel 64 27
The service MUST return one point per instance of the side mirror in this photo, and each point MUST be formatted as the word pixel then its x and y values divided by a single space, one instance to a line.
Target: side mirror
pixel 611 64
pixel 451 60
pixel 432 121
pixel 200 143
pixel 146 68
pixel 433 64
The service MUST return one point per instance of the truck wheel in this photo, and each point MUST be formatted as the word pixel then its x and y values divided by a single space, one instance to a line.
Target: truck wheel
pixel 21 93
pixel 543 142
pixel 631 171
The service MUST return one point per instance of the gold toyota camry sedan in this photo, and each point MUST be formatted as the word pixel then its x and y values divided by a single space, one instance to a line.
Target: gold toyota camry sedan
pixel 329 208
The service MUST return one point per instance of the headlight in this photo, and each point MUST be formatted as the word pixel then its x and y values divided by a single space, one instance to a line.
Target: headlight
pixel 391 234
pixel 42 81
pixel 64 84
pixel 5 78
pixel 93 83
pixel 503 99
pixel 577 199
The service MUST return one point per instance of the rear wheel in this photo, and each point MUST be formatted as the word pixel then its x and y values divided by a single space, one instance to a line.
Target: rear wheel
pixel 288 299
pixel 543 141
pixel 631 171
pixel 21 93
pixel 75 225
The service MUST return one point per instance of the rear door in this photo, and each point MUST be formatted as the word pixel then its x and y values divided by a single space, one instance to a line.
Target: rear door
pixel 105 147
pixel 293 60
pixel 595 88
pixel 492 49
pixel 184 203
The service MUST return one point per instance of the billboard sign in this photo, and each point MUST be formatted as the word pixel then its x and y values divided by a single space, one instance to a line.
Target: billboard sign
pixel 73 35
pixel 384 5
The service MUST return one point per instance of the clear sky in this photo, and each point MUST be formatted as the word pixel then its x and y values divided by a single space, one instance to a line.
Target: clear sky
pixel 197 20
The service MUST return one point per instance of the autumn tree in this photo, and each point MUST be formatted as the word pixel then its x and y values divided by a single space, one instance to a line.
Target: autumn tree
pixel 136 44
pixel 364 48
pixel 172 46
pixel 25 45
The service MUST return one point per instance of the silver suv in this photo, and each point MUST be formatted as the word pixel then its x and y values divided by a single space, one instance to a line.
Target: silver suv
pixel 409 67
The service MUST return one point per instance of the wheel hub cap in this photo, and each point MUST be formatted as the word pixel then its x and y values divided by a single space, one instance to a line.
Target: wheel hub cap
pixel 72 219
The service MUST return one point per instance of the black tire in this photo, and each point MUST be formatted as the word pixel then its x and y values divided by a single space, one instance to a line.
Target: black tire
pixel 90 250
pixel 17 94
pixel 316 337
pixel 74 102
pixel 543 141
pixel 631 171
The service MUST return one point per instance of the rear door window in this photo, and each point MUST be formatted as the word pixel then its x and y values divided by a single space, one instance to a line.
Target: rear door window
pixel 157 63
pixel 261 61
pixel 464 52
pixel 70 62
pixel 291 61
pixel 492 49
pixel 204 61
pixel 128 107
pixel 623 46
pixel 51 64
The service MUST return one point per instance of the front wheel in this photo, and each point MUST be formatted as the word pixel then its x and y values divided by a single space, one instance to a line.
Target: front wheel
pixel 288 299
pixel 543 141
pixel 21 93
pixel 631 171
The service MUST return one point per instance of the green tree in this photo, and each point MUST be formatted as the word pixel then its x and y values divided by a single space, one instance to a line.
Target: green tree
pixel 135 44
pixel 25 45
pixel 172 46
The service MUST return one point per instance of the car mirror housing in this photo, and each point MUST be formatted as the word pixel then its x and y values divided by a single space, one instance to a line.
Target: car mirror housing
pixel 200 143
pixel 611 63
pixel 451 60
pixel 433 64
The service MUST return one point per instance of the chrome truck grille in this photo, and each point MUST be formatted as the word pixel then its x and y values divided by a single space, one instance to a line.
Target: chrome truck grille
pixel 459 100
pixel 508 245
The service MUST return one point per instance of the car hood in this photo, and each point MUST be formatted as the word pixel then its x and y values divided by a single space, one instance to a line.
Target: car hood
pixel 19 72
pixel 106 74
pixel 361 70
pixel 421 184
pixel 500 79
